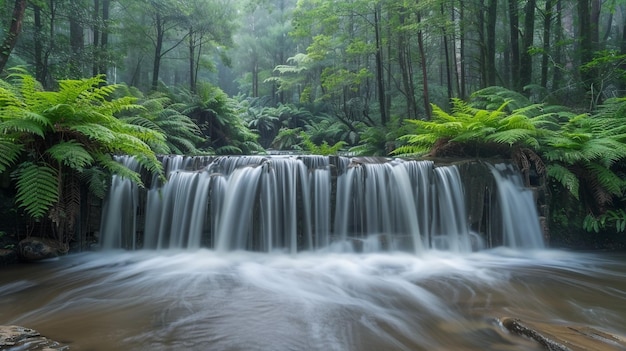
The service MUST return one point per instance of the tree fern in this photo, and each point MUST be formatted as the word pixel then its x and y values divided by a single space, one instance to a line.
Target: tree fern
pixel 50 138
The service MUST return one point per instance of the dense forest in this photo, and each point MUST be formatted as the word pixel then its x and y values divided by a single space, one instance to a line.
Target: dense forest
pixel 539 82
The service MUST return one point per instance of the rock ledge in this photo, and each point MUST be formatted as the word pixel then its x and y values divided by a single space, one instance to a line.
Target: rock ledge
pixel 14 337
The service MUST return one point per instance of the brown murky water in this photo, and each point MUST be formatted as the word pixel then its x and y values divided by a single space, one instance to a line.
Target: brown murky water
pixel 204 300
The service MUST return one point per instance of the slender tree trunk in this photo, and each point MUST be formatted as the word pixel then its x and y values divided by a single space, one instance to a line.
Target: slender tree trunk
pixel 490 62
pixel 514 37
pixel 622 84
pixel 95 28
pixel 447 56
pixel 547 32
pixel 157 51
pixel 462 53
pixel 379 68
pixel 526 59
pixel 454 49
pixel 406 72
pixel 77 42
pixel 192 63
pixel 8 44
pixel 482 39
pixel 104 38
pixel 38 45
pixel 425 94
pixel 558 25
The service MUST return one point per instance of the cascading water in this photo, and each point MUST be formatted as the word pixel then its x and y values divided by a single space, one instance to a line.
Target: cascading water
pixel 298 203
pixel 388 259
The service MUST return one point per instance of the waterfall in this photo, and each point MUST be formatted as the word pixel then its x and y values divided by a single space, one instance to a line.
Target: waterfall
pixel 298 203
pixel 518 212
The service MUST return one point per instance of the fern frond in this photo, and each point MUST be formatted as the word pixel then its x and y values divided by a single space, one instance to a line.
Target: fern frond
pixel 9 152
pixel 37 188
pixel 95 132
pixel 117 168
pixel 96 181
pixel 512 136
pixel 604 150
pixel 565 177
pixel 72 154
pixel 606 179
pixel 13 125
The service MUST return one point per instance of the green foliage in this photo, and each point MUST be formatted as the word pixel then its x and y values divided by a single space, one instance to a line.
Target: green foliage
pixel 615 219
pixel 37 188
pixel 50 138
pixel 287 139
pixel 160 114
pixel 323 149
pixel 220 119
pixel 582 153
pixel 471 128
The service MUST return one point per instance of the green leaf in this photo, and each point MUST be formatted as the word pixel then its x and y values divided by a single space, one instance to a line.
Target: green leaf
pixel 565 177
pixel 37 188
pixel 9 152
pixel 72 154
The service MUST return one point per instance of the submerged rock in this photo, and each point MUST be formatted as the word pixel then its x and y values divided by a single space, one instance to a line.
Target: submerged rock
pixel 13 337
pixel 565 337
pixel 36 249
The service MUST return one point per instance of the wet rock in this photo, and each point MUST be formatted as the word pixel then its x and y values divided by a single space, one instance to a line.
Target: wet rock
pixel 36 249
pixel 564 337
pixel 8 256
pixel 13 337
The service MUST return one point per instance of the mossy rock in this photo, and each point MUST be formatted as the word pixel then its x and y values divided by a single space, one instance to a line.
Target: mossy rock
pixel 37 249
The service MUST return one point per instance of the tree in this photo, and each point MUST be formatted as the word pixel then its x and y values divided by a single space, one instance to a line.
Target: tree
pixel 10 39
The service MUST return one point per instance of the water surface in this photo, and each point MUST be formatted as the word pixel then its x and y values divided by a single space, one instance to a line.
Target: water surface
pixel 207 300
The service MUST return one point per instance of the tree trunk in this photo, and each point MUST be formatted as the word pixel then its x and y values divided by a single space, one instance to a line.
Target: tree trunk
pixel 157 51
pixel 547 32
pixel 379 68
pixel 14 30
pixel 38 46
pixel 490 61
pixel 514 37
pixel 526 59
pixel 426 97
pixel 462 53
pixel 558 25
pixel 454 49
pixel 104 38
pixel 447 56
pixel 95 28
pixel 192 63
pixel 77 43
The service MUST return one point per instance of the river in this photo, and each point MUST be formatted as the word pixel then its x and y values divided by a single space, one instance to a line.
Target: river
pixel 209 300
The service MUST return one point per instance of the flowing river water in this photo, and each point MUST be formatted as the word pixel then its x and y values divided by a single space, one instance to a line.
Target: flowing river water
pixel 308 253
pixel 207 300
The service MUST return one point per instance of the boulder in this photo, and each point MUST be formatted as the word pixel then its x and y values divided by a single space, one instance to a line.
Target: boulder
pixel 13 337
pixel 36 249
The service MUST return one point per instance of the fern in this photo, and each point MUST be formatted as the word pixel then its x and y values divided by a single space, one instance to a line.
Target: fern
pixel 71 154
pixel 565 177
pixel 37 188
pixel 9 152
pixel 114 167
pixel 96 180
